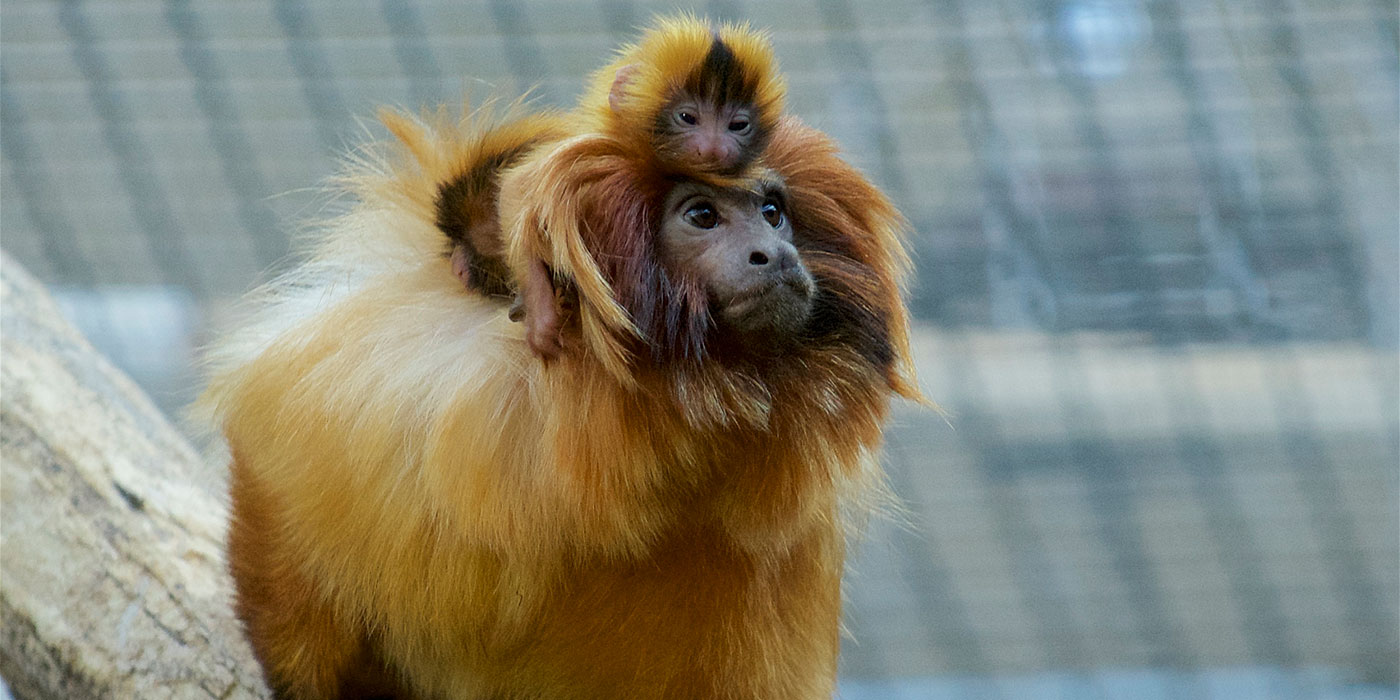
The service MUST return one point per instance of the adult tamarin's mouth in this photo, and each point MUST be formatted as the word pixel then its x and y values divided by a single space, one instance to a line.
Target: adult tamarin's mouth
pixel 779 305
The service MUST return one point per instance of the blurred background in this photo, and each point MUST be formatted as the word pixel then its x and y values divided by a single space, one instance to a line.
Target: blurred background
pixel 1157 249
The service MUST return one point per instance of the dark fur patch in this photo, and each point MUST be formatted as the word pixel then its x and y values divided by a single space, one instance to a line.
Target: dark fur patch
pixel 846 310
pixel 459 196
pixel 468 199
pixel 721 77
pixel 838 319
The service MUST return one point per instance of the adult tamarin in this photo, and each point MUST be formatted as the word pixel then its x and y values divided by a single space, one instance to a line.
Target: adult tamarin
pixel 687 99
pixel 421 509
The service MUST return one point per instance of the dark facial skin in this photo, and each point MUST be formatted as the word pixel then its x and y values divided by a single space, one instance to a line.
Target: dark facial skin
pixel 738 244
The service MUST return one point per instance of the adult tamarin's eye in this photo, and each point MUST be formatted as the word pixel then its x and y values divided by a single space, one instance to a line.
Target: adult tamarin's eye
pixel 702 215
pixel 772 213
pixel 686 118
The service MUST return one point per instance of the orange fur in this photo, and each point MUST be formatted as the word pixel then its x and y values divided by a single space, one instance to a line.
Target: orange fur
pixel 460 177
pixel 670 58
pixel 421 507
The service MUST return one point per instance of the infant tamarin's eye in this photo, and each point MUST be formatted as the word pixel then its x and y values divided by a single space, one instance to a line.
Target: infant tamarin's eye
pixel 702 216
pixel 687 118
pixel 740 126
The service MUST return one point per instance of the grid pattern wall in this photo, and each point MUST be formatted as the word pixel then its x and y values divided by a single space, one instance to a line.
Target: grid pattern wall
pixel 1157 259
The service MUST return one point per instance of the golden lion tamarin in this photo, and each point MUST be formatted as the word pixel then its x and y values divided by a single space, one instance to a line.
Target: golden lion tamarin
pixel 423 510
pixel 691 98
pixel 687 99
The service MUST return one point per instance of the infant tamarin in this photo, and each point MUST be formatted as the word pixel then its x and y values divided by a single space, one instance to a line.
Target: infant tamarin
pixel 693 99
pixel 686 100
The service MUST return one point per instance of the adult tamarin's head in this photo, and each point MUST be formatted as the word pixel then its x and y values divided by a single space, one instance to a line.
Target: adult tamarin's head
pixel 700 99
pixel 798 262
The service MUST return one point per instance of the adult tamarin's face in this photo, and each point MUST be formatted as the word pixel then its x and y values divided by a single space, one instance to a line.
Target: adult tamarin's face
pixel 736 243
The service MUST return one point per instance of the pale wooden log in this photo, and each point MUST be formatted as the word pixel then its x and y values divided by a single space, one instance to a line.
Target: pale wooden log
pixel 112 574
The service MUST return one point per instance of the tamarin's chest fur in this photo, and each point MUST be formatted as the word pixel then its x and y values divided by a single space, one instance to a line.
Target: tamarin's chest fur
pixel 464 621
pixel 431 502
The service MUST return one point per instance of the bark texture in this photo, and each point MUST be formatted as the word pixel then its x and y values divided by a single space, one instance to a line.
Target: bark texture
pixel 112 575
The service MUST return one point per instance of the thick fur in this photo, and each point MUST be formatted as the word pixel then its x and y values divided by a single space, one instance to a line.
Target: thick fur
pixel 586 206
pixel 465 170
pixel 729 64
pixel 423 508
